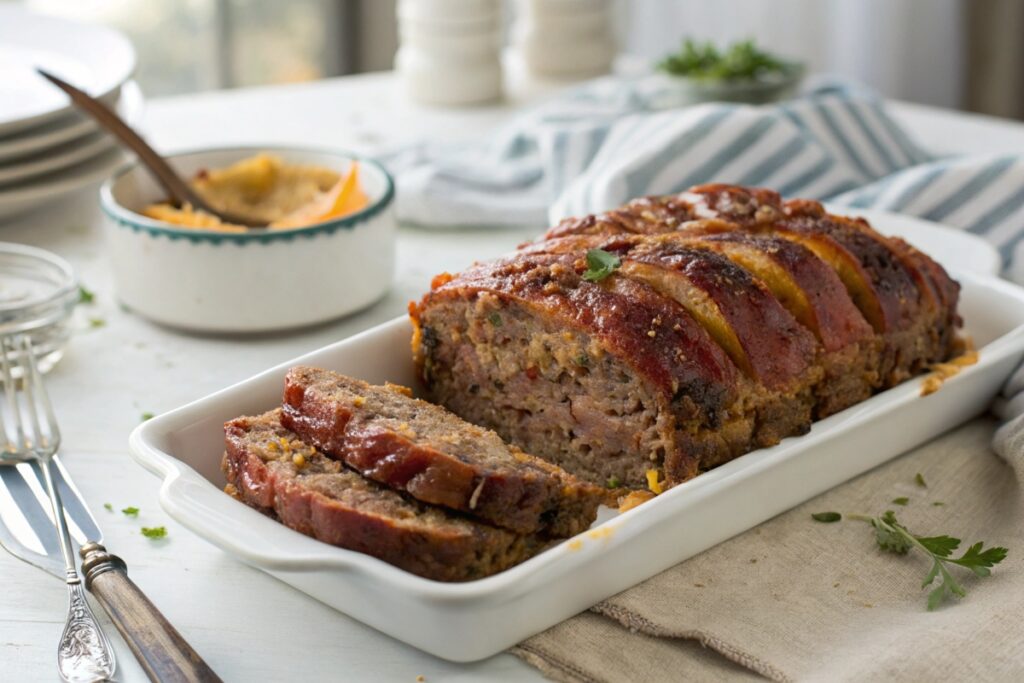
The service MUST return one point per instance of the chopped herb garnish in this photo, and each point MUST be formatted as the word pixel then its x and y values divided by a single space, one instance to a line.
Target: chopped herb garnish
pixel 902 500
pixel 740 61
pixel 893 537
pixel 827 517
pixel 600 264
pixel 154 531
pixel 147 416
pixel 919 478
pixel 495 319
pixel 97 322
pixel 583 360
pixel 131 511
pixel 109 507
pixel 937 503
pixel 614 482
pixel 85 296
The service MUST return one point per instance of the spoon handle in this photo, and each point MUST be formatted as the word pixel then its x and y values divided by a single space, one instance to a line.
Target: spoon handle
pixel 178 190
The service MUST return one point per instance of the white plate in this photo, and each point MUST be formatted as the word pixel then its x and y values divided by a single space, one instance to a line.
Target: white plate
pixel 20 199
pixel 470 621
pixel 96 59
pixel 956 249
pixel 65 128
pixel 25 196
pixel 69 155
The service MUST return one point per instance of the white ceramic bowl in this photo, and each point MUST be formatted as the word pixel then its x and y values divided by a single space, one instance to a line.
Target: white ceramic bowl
pixel 257 281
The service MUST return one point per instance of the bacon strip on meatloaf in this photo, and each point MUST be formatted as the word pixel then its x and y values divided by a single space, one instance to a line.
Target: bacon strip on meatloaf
pixel 272 470
pixel 784 314
pixel 433 455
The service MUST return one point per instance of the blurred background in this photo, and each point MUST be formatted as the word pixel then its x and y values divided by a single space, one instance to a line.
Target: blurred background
pixel 962 54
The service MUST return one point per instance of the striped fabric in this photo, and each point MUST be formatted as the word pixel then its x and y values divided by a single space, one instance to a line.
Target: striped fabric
pixel 607 142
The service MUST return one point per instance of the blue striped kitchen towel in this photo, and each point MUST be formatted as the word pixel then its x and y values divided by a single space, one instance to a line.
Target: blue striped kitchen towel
pixel 612 140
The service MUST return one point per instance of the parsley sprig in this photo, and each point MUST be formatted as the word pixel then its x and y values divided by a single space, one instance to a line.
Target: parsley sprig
pixel 600 264
pixel 893 537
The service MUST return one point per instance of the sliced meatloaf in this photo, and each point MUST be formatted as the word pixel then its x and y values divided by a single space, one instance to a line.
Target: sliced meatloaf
pixel 433 455
pixel 588 375
pixel 731 320
pixel 272 470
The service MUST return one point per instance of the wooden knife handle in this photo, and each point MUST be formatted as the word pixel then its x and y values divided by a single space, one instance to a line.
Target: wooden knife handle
pixel 158 646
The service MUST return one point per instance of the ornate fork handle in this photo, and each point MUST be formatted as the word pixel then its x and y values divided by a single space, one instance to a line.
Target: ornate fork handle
pixel 84 653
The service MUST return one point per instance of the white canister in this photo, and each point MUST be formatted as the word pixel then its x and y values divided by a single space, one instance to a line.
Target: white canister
pixel 565 38
pixel 450 51
pixel 440 80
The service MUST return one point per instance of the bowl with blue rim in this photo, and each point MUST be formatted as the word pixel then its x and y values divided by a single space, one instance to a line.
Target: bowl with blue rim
pixel 256 280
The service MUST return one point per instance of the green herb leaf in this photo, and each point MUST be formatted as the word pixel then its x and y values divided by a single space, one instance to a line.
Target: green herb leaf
pixel 888 536
pixel 583 360
pixel 85 296
pixel 154 531
pixel 894 537
pixel 97 322
pixel 147 416
pixel 943 546
pixel 981 561
pixel 614 482
pixel 902 500
pixel 740 61
pixel 131 511
pixel 827 517
pixel 495 319
pixel 109 507
pixel 600 264
pixel 938 503
pixel 919 478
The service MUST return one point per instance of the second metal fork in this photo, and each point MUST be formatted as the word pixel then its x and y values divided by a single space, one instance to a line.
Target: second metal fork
pixel 29 431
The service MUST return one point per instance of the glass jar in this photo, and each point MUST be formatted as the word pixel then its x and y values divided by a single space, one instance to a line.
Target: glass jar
pixel 38 293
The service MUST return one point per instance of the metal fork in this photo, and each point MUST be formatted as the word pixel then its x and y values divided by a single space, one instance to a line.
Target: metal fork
pixel 84 653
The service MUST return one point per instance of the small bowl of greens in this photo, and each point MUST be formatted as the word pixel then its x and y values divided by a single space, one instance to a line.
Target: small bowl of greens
pixel 742 72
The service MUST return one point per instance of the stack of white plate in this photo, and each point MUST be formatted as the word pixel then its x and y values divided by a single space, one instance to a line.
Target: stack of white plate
pixel 450 50
pixel 47 149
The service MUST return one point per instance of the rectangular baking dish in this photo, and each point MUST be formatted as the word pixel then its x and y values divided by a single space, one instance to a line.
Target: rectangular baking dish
pixel 470 621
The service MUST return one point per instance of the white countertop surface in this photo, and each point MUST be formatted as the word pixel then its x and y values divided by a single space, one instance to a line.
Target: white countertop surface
pixel 247 625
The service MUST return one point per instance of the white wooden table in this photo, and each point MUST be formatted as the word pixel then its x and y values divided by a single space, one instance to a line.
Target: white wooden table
pixel 247 625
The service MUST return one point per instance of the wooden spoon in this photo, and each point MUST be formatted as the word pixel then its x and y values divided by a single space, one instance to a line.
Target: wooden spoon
pixel 177 189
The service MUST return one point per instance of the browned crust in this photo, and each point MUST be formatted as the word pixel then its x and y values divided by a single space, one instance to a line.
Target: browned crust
pixel 679 357
pixel 523 493
pixel 418 541
pixel 832 315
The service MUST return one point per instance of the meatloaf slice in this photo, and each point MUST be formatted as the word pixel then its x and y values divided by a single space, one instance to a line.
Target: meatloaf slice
pixel 433 455
pixel 272 470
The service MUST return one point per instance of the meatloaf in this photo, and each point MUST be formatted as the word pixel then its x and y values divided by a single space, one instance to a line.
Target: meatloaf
pixel 435 456
pixel 272 470
pixel 729 320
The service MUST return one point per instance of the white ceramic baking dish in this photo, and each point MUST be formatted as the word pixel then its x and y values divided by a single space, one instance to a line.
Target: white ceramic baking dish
pixel 470 621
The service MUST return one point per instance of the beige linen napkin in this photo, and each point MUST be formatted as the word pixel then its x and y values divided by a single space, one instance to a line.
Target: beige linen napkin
pixel 795 599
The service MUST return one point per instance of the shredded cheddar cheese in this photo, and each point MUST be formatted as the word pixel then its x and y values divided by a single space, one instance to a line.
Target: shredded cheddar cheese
pixel 633 499
pixel 652 482
pixel 943 371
